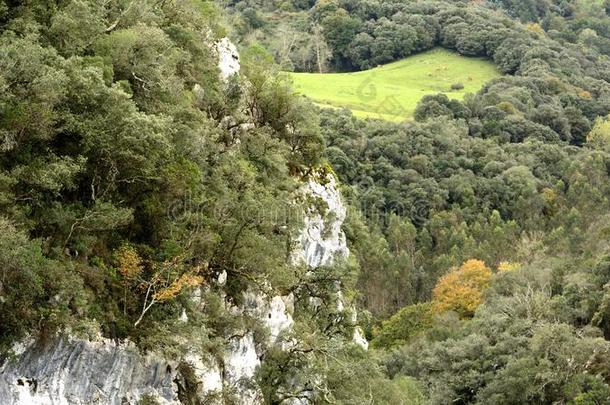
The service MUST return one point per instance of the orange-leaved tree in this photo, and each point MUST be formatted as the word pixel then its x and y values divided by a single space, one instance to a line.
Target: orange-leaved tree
pixel 160 283
pixel 168 280
pixel 130 268
pixel 461 290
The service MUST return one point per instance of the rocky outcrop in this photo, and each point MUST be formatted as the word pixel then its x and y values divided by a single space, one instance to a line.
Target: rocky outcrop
pixel 70 371
pixel 228 58
pixel 322 239
pixel 320 243
pixel 244 353
pixel 78 372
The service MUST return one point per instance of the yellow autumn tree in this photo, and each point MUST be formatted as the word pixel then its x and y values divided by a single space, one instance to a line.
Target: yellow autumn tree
pixel 160 283
pixel 168 280
pixel 535 28
pixel 599 137
pixel 129 266
pixel 461 290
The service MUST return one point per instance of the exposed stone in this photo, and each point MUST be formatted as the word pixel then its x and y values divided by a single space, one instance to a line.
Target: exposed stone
pixel 77 372
pixel 322 239
pixel 222 278
pixel 228 58
pixel 240 364
pixel 359 338
pixel 69 371
pixel 208 373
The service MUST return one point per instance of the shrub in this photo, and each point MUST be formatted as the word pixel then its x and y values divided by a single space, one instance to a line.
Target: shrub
pixel 457 86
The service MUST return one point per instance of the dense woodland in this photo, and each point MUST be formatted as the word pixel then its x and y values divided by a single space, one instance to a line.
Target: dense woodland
pixel 480 237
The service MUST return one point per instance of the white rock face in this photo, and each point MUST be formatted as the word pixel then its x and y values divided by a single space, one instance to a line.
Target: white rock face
pixel 228 58
pixel 222 278
pixel 208 373
pixel 279 317
pixel 322 239
pixel 77 372
pixel 241 359
pixel 359 338
pixel 241 362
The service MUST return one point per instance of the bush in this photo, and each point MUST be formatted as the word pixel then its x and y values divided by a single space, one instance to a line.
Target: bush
pixel 457 86
pixel 36 293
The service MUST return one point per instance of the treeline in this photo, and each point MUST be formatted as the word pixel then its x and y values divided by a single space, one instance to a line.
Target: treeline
pixel 498 164
pixel 577 22
pixel 454 197
pixel 344 35
pixel 536 10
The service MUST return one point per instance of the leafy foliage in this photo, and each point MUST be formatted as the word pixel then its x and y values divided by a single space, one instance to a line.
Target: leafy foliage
pixel 126 170
pixel 131 175
pixel 461 290
pixel 403 325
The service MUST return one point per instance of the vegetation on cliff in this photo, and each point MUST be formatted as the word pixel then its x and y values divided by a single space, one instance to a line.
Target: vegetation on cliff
pixel 121 186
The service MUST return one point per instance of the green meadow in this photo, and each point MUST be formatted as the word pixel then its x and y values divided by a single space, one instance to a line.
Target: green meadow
pixel 391 91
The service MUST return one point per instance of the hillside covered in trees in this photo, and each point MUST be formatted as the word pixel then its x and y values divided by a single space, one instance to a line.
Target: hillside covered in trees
pixel 150 201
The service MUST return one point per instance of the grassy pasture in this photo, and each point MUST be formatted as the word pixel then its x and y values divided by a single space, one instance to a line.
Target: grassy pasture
pixel 391 91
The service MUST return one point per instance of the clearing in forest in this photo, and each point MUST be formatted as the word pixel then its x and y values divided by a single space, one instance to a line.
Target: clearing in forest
pixel 391 91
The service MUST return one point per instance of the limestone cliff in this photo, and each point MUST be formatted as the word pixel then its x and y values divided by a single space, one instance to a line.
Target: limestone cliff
pixel 70 371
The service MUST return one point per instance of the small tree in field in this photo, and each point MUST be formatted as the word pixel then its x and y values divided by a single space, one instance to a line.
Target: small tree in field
pixel 461 290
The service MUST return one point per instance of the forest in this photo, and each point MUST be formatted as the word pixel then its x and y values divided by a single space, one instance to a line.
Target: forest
pixel 132 174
